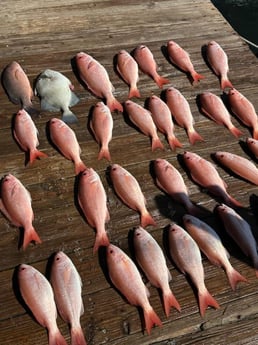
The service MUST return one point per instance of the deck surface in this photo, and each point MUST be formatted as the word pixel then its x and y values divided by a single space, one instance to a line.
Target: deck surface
pixel 48 36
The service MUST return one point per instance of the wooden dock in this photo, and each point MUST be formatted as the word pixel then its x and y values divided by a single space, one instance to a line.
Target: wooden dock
pixel 48 34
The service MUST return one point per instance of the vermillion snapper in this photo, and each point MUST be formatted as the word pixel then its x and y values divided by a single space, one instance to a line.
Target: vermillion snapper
pixel 17 86
pixel 64 138
pixel 244 110
pixel 38 295
pixel 26 135
pixel 151 259
pixel 206 175
pixel 101 124
pixel 210 244
pixel 67 284
pixel 128 69
pixel 187 257
pixel 162 118
pixel 218 61
pixel 181 112
pixel 96 78
pixel 129 191
pixel 92 199
pixel 127 279
pixel 213 107
pixel 15 204
pixel 56 93
pixel 179 57
pixel 240 231
pixel 148 65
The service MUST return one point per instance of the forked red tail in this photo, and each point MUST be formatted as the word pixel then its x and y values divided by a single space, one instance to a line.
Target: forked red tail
pixel 205 300
pixel 170 301
pixel 29 236
pixel 151 319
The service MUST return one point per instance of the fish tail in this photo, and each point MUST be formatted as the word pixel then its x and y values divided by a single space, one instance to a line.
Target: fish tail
pixel 205 300
pixel 69 117
pixel 255 133
pixel 35 154
pixel 196 76
pixel 235 131
pixel 79 167
pixel 56 338
pixel 104 153
pixel 225 82
pixel 156 144
pixel 174 142
pixel 101 240
pixel 134 92
pixel 194 136
pixel 193 209
pixel 77 336
pixel 169 301
pixel 29 236
pixel 31 110
pixel 234 277
pixel 151 319
pixel 232 202
pixel 113 104
pixel 146 219
pixel 160 81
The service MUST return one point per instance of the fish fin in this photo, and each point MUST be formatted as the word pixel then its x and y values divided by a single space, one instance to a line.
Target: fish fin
pixel 29 236
pixel 196 77
pixel 104 153
pixel 46 106
pixel 56 338
pixel 74 99
pixel 174 142
pixel 101 240
pixel 156 144
pixel 169 276
pixel 107 219
pixel 194 136
pixel 113 104
pixel 69 117
pixel 234 277
pixel 79 167
pixel 134 92
pixel 77 336
pixel 205 300
pixel 235 131
pixel 225 82
pixel 151 319
pixel 146 219
pixel 35 154
pixel 6 213
pixel 147 291
pixel 160 81
pixel 169 301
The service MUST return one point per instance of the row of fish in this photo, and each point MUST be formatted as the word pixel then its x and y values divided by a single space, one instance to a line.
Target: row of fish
pixel 147 120
pixel 15 202
pixel 56 91
pixel 63 294
pixel 185 250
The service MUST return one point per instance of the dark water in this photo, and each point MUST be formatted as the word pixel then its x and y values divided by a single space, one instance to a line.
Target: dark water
pixel 242 15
